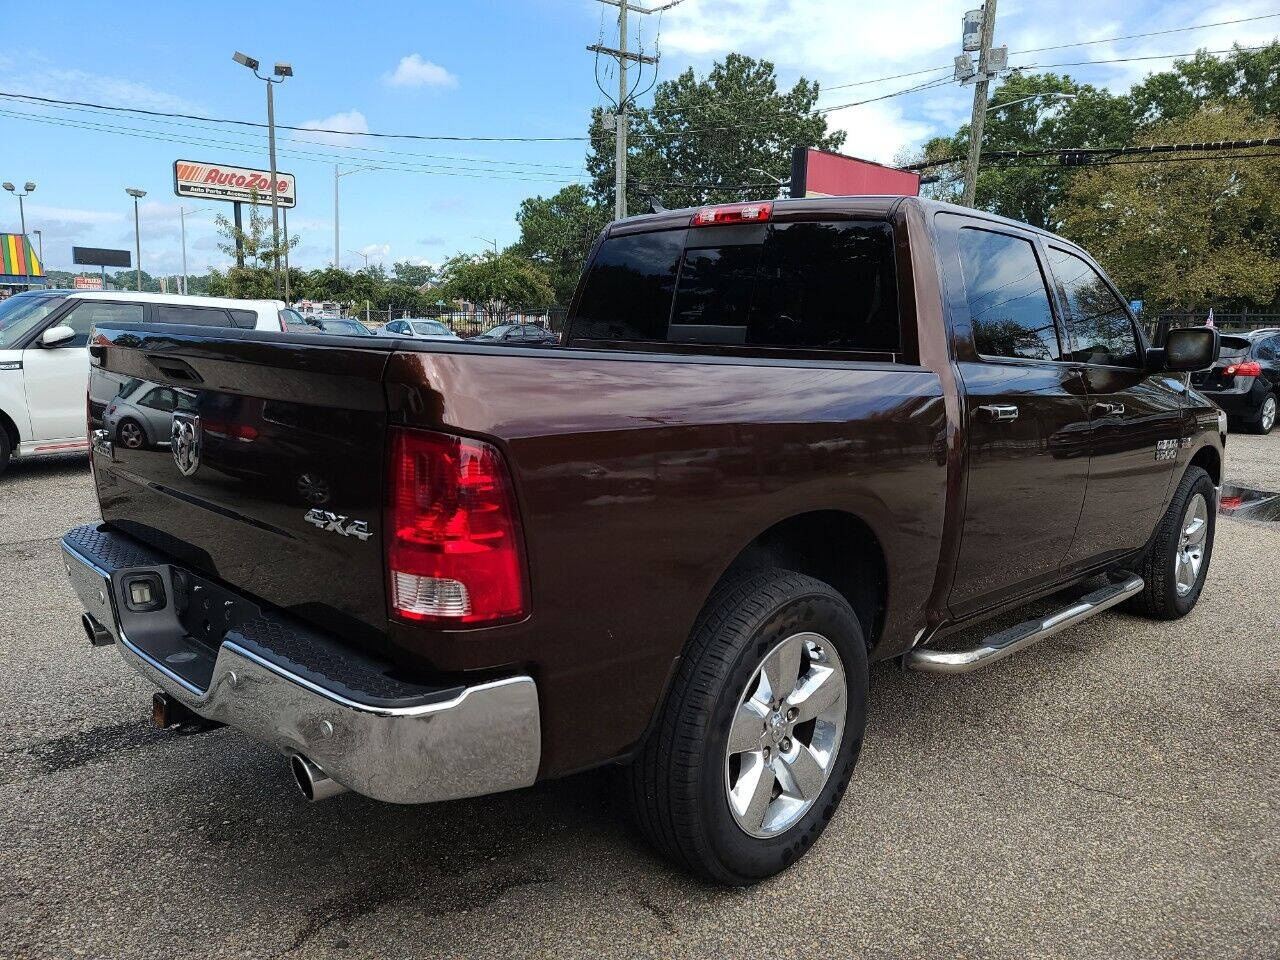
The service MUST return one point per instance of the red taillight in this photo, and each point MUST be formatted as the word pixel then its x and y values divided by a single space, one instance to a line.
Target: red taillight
pixel 453 537
pixel 733 213
pixel 1230 503
pixel 232 431
pixel 1250 369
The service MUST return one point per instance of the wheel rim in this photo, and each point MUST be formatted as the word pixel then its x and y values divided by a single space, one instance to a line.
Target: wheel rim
pixel 1191 543
pixel 1269 413
pixel 131 434
pixel 785 735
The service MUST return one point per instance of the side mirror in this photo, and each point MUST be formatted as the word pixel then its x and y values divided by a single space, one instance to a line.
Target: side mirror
pixel 57 336
pixel 1191 348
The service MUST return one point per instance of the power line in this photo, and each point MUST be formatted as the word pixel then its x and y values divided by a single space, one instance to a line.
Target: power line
pixel 240 147
pixel 1151 33
pixel 1081 152
pixel 285 126
pixel 336 146
pixel 1141 160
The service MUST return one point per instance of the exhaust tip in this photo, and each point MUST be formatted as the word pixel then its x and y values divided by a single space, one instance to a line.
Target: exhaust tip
pixel 96 632
pixel 314 784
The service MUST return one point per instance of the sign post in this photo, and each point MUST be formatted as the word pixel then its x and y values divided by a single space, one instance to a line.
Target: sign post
pixel 234 185
pixel 100 257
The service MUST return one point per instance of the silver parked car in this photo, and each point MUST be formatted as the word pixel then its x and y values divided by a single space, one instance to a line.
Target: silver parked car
pixel 420 329
pixel 141 415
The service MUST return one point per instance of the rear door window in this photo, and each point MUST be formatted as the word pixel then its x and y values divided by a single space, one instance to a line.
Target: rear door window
pixel 248 319
pixel 807 286
pixel 90 313
pixel 196 316
pixel 1009 306
pixel 1100 324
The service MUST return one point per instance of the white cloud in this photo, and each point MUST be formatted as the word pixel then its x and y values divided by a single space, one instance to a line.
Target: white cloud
pixel 73 215
pixel 71 84
pixel 351 121
pixel 412 71
pixel 376 251
pixel 877 131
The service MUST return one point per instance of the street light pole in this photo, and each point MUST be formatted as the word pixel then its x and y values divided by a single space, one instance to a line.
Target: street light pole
pixel 27 188
pixel 281 71
pixel 40 243
pixel 366 258
pixel 336 174
pixel 137 235
pixel 183 213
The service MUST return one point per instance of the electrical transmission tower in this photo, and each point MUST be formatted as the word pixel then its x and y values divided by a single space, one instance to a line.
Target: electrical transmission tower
pixel 624 56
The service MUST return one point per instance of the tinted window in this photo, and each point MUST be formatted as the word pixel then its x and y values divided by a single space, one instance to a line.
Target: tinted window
pixel 713 294
pixel 809 286
pixel 1100 324
pixel 244 318
pixel 198 316
pixel 628 291
pixel 827 286
pixel 105 312
pixel 1008 301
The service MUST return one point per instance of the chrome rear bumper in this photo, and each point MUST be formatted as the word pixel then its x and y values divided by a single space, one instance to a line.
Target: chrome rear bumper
pixel 473 740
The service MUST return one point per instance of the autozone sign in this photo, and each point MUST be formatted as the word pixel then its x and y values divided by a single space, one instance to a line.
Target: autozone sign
pixel 209 181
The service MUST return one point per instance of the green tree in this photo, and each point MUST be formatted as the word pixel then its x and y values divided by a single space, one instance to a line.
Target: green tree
pixel 556 232
pixel 254 279
pixel 1186 234
pixel 496 283
pixel 413 274
pixel 713 135
pixel 1251 76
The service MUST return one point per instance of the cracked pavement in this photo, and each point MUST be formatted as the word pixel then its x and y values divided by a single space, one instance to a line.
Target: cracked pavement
pixel 1111 792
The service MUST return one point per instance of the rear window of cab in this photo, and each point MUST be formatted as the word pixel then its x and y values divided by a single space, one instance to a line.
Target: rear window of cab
pixel 807 286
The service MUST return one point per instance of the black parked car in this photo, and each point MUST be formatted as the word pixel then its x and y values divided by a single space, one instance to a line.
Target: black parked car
pixel 1245 382
pixel 517 334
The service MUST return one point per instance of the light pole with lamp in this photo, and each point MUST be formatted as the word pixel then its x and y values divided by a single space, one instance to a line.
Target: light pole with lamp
pixel 366 258
pixel 182 219
pixel 40 244
pixel 137 235
pixel 28 188
pixel 281 71
pixel 336 174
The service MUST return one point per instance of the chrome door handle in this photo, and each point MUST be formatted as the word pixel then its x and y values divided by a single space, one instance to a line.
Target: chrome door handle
pixel 1000 411
pixel 1108 409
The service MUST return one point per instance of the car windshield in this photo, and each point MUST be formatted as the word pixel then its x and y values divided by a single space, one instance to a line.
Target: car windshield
pixel 429 329
pixel 21 314
pixel 495 332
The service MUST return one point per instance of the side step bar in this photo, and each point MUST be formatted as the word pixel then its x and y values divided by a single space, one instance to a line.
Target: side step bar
pixel 1000 645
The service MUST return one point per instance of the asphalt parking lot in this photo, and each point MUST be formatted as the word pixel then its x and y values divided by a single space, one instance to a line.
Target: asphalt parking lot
pixel 1110 792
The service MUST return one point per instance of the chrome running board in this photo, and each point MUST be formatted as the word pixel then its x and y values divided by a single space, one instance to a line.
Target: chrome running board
pixel 1000 645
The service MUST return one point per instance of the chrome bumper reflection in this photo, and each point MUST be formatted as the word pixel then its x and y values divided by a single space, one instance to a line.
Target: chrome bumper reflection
pixel 485 740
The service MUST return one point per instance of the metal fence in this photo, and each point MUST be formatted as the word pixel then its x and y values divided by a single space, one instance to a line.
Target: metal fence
pixel 1240 321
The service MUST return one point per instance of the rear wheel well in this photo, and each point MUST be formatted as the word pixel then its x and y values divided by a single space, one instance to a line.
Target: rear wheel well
pixel 1208 460
pixel 832 546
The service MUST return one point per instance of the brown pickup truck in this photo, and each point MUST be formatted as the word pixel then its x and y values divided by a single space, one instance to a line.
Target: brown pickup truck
pixel 778 441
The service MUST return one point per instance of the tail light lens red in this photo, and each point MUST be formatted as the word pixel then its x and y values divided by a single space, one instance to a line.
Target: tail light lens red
pixel 453 535
pixel 733 213
pixel 1250 369
pixel 243 432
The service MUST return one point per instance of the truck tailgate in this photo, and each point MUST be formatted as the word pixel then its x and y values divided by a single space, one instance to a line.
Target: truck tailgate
pixel 260 463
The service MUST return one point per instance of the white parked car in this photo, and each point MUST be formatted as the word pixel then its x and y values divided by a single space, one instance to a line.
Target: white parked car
pixel 44 359
pixel 420 329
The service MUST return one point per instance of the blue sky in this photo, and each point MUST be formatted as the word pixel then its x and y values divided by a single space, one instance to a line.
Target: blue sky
pixel 511 68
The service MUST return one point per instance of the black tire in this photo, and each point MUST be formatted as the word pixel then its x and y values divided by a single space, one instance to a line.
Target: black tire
pixel 5 450
pixel 1160 598
pixel 141 434
pixel 676 786
pixel 1266 417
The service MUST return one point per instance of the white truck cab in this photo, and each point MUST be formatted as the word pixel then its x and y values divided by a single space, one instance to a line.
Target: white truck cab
pixel 44 358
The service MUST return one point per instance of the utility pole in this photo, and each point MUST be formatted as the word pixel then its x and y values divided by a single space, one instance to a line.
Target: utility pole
pixel 137 234
pixel 988 66
pixel 623 56
pixel 336 248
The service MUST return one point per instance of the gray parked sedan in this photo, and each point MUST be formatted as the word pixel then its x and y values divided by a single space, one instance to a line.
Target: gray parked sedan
pixel 141 415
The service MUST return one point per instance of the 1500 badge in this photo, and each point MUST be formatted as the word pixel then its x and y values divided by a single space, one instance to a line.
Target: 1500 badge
pixel 338 524
pixel 1166 449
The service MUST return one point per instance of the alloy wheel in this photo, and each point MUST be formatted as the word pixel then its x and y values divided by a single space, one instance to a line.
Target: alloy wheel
pixel 1268 418
pixel 785 735
pixel 131 435
pixel 1191 545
